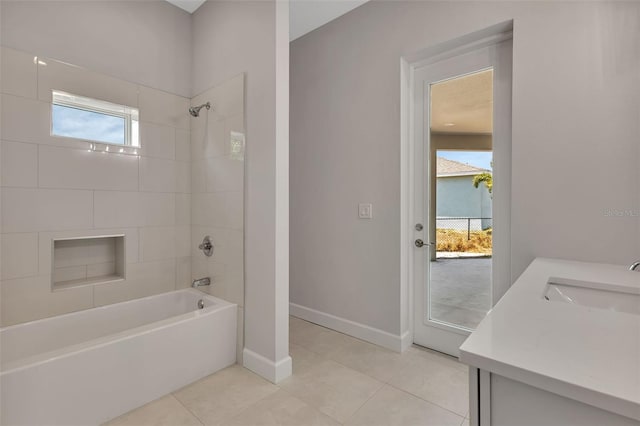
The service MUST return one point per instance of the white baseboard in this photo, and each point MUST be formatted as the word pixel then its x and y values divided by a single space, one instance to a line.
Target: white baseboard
pixel 406 340
pixel 376 336
pixel 275 372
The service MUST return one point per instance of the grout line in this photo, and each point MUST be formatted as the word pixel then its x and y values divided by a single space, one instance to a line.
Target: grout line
pixel 37 79
pixel 37 166
pixel 313 406
pixel 253 404
pixel 364 403
pixel 425 400
pixel 93 209
pixel 185 407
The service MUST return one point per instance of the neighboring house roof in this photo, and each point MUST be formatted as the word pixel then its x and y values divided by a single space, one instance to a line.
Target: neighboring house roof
pixel 446 167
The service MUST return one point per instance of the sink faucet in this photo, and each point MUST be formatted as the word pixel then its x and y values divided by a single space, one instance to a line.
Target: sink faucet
pixel 634 266
pixel 201 282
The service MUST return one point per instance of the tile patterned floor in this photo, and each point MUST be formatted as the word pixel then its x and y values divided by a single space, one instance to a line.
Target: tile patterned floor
pixel 337 380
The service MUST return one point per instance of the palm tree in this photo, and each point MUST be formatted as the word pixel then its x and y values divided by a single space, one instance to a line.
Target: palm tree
pixel 485 177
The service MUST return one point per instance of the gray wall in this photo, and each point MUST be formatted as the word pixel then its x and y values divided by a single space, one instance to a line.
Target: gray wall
pixel 243 36
pixel 144 42
pixel 575 142
pixel 457 197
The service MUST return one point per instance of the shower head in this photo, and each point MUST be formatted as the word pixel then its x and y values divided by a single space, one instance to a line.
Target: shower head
pixel 195 111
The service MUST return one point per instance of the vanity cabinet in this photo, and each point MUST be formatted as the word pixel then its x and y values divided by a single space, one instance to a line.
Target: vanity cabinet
pixel 499 401
pixel 560 348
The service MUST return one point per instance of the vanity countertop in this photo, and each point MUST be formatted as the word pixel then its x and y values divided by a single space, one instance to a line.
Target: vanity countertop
pixel 591 355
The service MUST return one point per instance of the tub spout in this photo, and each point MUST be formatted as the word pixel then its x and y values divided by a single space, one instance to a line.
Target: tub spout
pixel 201 282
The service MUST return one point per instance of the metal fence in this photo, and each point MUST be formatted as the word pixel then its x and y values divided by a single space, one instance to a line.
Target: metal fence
pixel 464 224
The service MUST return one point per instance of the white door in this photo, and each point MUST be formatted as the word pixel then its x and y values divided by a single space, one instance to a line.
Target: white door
pixel 461 115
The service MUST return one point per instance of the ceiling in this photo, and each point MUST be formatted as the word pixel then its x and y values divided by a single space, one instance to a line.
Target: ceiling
pixel 304 15
pixel 307 15
pixel 463 104
pixel 188 5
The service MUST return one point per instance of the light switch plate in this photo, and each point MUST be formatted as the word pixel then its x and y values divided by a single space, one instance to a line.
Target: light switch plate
pixel 365 211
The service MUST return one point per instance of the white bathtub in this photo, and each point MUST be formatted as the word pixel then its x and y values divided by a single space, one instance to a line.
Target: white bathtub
pixel 87 367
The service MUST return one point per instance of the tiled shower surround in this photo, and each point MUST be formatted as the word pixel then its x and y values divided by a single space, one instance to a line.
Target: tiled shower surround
pixel 55 187
pixel 217 186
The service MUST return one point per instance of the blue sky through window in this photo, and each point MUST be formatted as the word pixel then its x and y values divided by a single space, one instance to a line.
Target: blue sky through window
pixel 81 124
pixel 480 159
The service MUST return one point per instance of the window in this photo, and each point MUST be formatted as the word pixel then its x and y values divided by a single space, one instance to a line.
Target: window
pixel 78 117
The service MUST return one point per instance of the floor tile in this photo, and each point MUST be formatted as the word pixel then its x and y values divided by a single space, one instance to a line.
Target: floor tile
pixel 379 363
pixel 319 339
pixel 332 388
pixel 393 407
pixel 434 380
pixel 225 394
pixel 303 359
pixel 436 356
pixel 166 411
pixel 281 409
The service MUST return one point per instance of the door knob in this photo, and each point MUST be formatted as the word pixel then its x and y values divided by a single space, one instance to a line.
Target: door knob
pixel 419 243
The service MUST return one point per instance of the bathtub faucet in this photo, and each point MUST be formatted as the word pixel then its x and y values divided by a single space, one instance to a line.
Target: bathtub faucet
pixel 201 282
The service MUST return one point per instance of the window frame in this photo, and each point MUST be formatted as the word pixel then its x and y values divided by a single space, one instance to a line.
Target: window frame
pixel 98 106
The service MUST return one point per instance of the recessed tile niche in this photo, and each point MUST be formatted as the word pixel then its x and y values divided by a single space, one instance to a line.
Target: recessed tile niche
pixel 87 260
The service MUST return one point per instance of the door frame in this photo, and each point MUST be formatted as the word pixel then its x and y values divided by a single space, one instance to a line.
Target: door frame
pixel 501 263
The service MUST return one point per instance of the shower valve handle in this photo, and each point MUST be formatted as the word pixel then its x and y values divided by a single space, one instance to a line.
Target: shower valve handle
pixel 206 246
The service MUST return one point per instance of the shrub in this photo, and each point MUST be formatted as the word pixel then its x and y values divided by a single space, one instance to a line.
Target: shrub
pixel 455 240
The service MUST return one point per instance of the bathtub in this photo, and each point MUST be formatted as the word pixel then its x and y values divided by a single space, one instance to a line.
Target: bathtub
pixel 88 367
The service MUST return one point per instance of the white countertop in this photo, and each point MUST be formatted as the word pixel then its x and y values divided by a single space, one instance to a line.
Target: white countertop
pixel 587 354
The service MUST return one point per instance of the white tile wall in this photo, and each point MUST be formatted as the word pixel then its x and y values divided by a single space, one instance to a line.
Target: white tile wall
pixel 208 140
pixel 183 209
pixel 79 81
pixel 157 243
pixel 163 108
pixel 183 241
pixel 198 175
pixel 19 164
pixel 45 238
pixel 157 141
pixel 157 175
pixel 32 209
pixel 18 72
pixel 69 273
pixel 217 192
pixel 183 145
pixel 19 255
pixel 226 99
pixel 144 279
pixel 183 272
pixel 27 299
pixel 54 187
pixel 224 174
pixel 25 120
pixel 84 252
pixel 84 169
pixel 116 209
pixel 100 269
pixel 158 209
pixel 183 177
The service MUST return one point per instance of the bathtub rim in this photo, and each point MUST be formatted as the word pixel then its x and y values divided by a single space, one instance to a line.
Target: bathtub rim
pixel 41 358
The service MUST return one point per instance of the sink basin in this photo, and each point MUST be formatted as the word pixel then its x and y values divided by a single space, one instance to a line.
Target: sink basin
pixel 606 296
